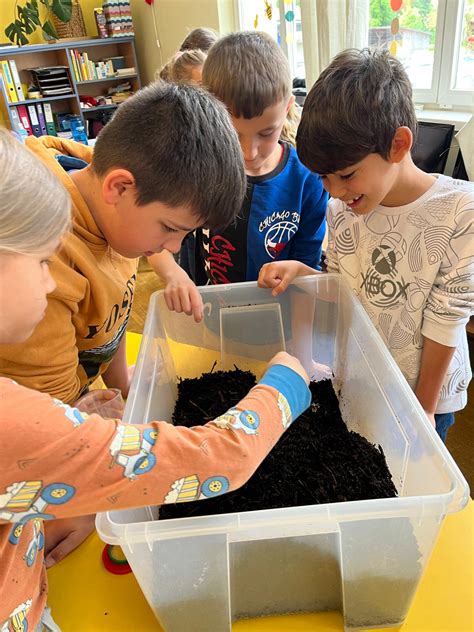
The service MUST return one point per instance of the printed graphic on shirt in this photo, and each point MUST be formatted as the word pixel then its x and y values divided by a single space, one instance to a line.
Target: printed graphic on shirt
pixel 190 488
pixel 234 419
pixel 92 359
pixel 383 284
pixel 132 451
pixel 286 417
pixel 17 621
pixel 35 544
pixel 73 414
pixel 27 500
pixel 278 228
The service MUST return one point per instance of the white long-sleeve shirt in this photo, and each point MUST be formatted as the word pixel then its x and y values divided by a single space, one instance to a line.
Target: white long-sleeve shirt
pixel 412 268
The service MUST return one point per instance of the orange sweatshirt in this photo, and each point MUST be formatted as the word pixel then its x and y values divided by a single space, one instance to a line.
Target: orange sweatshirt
pixel 58 462
pixel 87 313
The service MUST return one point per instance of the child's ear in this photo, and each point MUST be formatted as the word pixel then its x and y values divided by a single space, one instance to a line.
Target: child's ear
pixel 291 101
pixel 401 144
pixel 116 184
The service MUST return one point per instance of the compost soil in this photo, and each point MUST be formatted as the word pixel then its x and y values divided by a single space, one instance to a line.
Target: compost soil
pixel 317 460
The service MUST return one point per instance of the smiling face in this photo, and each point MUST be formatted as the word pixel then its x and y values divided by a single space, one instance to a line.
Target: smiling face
pixel 364 185
pixel 25 282
pixel 259 136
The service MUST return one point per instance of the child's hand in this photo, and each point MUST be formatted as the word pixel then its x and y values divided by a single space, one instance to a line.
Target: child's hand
pixel 291 362
pixel 181 295
pixel 431 418
pixel 279 274
pixel 65 535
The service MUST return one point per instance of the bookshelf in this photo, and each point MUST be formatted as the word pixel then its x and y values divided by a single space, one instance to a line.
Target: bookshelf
pixel 59 54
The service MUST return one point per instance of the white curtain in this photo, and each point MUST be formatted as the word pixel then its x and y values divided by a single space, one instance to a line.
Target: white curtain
pixel 329 27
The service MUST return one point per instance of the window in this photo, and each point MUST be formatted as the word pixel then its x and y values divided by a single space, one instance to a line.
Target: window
pixel 282 20
pixel 434 39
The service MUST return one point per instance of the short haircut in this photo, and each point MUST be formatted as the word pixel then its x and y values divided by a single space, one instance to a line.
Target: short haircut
pixel 35 208
pixel 182 67
pixel 201 38
pixel 179 144
pixel 248 72
pixel 354 109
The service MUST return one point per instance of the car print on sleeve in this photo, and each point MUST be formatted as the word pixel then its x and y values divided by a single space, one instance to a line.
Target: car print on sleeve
pixel 17 621
pixel 27 500
pixel 132 451
pixel 235 419
pixel 190 488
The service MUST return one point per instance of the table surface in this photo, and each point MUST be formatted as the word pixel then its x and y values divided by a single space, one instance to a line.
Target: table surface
pixel 85 597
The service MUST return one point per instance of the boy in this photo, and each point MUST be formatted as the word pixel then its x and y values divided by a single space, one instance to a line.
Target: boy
pixel 402 238
pixel 140 192
pixel 283 215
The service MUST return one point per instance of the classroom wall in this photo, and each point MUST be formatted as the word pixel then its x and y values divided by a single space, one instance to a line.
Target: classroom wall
pixel 7 15
pixel 174 19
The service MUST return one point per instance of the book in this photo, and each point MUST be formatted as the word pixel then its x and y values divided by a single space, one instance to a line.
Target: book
pixel 16 121
pixel 48 116
pixel 24 118
pixel 34 120
pixel 16 80
pixel 8 82
pixel 41 119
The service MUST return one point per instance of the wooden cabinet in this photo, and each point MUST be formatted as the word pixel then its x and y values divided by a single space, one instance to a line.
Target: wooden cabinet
pixel 59 54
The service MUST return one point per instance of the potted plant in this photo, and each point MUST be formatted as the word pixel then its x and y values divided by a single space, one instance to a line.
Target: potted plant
pixel 29 19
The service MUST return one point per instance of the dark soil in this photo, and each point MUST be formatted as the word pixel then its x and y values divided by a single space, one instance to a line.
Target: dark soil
pixel 316 461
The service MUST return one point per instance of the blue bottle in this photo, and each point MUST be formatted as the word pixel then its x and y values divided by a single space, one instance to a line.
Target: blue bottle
pixel 78 130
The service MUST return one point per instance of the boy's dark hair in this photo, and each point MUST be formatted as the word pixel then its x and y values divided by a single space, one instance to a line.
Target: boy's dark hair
pixel 354 109
pixel 201 38
pixel 179 143
pixel 248 72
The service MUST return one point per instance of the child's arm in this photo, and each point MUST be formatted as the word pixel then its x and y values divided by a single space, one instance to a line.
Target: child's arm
pixel 181 294
pixel 118 373
pixel 435 360
pixel 279 274
pixel 331 253
pixel 449 305
pixel 306 244
pixel 73 465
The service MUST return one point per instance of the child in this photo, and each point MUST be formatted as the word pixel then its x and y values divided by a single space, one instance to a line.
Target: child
pixel 197 41
pixel 283 215
pixel 185 67
pixel 56 461
pixel 402 238
pixel 144 187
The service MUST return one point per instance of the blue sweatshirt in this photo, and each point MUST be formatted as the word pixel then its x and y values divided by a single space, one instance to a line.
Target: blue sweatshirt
pixel 283 217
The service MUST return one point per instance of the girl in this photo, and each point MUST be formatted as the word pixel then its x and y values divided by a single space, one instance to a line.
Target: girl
pixel 56 459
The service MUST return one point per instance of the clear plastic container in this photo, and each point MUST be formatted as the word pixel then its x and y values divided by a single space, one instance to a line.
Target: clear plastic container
pixel 363 558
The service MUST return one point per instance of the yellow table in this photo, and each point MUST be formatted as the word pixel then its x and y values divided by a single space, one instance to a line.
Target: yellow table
pixel 84 597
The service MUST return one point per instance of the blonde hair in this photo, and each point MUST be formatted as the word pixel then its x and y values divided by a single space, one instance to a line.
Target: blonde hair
pixel 35 208
pixel 290 126
pixel 179 68
pixel 201 38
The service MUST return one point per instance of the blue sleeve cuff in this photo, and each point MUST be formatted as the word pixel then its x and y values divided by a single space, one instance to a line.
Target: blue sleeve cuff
pixel 291 386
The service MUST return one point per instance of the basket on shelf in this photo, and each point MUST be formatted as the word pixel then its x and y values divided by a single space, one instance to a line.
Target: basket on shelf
pixel 75 27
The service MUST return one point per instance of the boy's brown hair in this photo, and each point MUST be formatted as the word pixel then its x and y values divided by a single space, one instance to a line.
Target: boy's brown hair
pixel 354 109
pixel 180 145
pixel 248 72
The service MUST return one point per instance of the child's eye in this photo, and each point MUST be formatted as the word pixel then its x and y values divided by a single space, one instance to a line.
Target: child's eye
pixel 266 134
pixel 347 175
pixel 168 229
pixel 46 262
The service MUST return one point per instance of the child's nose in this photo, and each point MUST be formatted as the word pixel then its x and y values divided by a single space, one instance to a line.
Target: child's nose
pixel 335 188
pixel 173 244
pixel 249 149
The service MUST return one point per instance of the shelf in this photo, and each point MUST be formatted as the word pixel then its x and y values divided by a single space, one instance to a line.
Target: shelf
pixel 59 97
pixel 100 107
pixel 9 51
pixel 114 78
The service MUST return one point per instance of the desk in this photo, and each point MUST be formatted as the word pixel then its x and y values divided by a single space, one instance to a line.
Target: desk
pixel 84 597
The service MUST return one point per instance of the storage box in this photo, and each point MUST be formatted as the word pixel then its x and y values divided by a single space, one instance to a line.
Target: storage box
pixel 363 558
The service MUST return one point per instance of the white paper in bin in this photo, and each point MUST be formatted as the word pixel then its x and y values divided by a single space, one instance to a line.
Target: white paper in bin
pixel 253 332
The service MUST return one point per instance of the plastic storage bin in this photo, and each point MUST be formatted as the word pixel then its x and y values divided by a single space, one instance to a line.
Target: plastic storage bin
pixel 363 558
